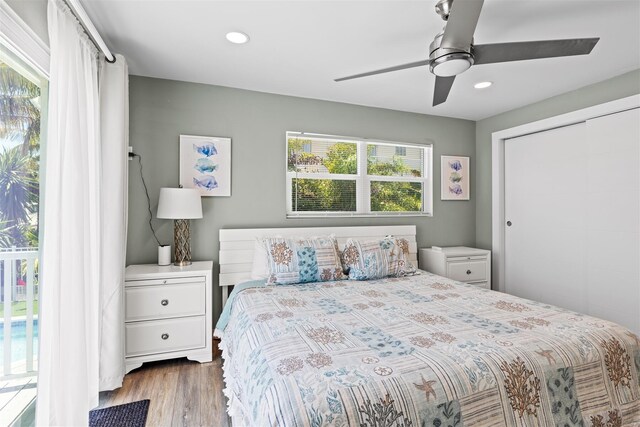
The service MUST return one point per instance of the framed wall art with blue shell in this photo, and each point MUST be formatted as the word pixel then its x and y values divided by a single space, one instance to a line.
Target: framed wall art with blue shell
pixel 455 176
pixel 205 164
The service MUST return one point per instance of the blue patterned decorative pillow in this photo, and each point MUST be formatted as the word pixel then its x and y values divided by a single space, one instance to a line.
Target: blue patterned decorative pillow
pixel 302 260
pixel 377 259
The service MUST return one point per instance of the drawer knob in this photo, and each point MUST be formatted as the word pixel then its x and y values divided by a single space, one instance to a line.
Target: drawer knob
pixel 165 336
pixel 164 282
pixel 468 271
pixel 164 302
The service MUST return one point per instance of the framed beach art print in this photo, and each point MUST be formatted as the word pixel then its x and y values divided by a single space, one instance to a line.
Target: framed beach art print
pixel 454 178
pixel 205 164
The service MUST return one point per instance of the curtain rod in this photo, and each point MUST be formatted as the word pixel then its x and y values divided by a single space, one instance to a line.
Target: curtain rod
pixel 90 29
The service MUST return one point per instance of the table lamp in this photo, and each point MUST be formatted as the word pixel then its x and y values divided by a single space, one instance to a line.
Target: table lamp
pixel 181 205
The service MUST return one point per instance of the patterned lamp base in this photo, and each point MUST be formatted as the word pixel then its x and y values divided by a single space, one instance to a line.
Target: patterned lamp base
pixel 182 242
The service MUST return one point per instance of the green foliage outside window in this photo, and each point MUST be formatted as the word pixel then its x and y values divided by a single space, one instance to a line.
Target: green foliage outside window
pixel 342 158
pixel 396 196
pixel 317 195
pixel 324 195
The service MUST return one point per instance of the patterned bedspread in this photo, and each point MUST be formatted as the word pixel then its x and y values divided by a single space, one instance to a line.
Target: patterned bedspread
pixel 423 351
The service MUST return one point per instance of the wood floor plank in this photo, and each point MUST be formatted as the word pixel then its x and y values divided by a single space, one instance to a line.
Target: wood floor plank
pixel 162 401
pixel 145 386
pixel 122 395
pixel 207 409
pixel 213 406
pixel 181 393
pixel 219 401
pixel 187 402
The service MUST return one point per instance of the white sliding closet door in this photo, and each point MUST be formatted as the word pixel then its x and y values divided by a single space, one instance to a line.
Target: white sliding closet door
pixel 572 197
pixel 613 218
pixel 546 204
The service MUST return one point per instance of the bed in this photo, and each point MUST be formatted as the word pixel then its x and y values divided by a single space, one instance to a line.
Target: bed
pixel 420 350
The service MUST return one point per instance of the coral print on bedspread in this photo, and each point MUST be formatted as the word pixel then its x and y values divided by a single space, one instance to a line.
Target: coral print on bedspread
pixel 423 351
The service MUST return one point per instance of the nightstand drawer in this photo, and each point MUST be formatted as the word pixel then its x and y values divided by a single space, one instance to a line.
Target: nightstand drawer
pixel 166 281
pixel 164 301
pixel 484 285
pixel 163 336
pixel 467 271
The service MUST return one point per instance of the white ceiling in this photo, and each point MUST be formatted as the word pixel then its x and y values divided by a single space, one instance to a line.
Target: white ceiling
pixel 298 47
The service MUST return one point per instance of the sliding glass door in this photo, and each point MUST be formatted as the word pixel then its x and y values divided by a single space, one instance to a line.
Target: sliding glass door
pixel 22 98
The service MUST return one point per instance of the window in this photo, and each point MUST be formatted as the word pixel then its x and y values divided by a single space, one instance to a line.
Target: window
pixel 343 176
pixel 23 97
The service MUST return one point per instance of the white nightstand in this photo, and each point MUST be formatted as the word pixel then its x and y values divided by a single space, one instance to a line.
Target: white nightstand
pixel 168 313
pixel 459 263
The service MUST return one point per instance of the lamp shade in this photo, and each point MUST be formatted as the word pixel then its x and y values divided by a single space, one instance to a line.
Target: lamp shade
pixel 179 203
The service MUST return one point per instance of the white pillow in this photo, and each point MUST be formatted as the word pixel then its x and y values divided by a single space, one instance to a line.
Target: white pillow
pixel 260 268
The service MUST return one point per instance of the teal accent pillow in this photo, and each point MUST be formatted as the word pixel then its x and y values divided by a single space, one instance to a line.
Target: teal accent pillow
pixel 377 259
pixel 302 260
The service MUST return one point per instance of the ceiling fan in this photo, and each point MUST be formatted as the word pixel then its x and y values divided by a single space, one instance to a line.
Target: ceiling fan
pixel 452 51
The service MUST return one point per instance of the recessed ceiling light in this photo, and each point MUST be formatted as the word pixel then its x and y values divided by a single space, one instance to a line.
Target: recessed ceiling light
pixel 237 37
pixel 482 85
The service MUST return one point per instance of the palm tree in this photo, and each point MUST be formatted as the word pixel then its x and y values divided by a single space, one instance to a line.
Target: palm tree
pixel 19 119
pixel 17 192
pixel 19 109
pixel 6 238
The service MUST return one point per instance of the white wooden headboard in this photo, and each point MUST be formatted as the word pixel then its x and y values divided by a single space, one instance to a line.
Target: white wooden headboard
pixel 236 246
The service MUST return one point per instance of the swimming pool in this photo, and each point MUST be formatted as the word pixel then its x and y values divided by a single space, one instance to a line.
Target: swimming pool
pixel 19 340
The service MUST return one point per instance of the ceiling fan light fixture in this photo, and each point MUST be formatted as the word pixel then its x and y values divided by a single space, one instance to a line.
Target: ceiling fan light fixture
pixel 482 85
pixel 451 64
pixel 237 37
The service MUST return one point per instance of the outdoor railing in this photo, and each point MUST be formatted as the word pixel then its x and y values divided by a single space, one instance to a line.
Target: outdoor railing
pixel 18 284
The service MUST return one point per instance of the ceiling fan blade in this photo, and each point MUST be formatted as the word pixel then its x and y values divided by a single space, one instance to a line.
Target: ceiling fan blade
pixel 463 18
pixel 520 51
pixel 441 89
pixel 386 70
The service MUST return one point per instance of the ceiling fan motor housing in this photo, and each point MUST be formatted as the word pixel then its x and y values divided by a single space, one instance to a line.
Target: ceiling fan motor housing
pixel 447 62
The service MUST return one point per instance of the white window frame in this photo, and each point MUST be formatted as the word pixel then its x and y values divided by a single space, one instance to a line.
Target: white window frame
pixel 18 37
pixel 362 179
pixel 20 40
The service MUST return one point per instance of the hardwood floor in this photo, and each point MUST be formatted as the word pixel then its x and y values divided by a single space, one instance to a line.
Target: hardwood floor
pixel 181 393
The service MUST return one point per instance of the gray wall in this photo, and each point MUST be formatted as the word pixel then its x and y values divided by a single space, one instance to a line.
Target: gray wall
pixel 618 87
pixel 34 14
pixel 161 110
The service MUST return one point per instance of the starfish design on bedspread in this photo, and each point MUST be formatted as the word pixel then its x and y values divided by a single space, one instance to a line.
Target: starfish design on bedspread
pixel 427 387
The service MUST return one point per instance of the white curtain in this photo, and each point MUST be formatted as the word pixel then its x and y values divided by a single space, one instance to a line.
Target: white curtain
pixel 82 260
pixel 114 125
